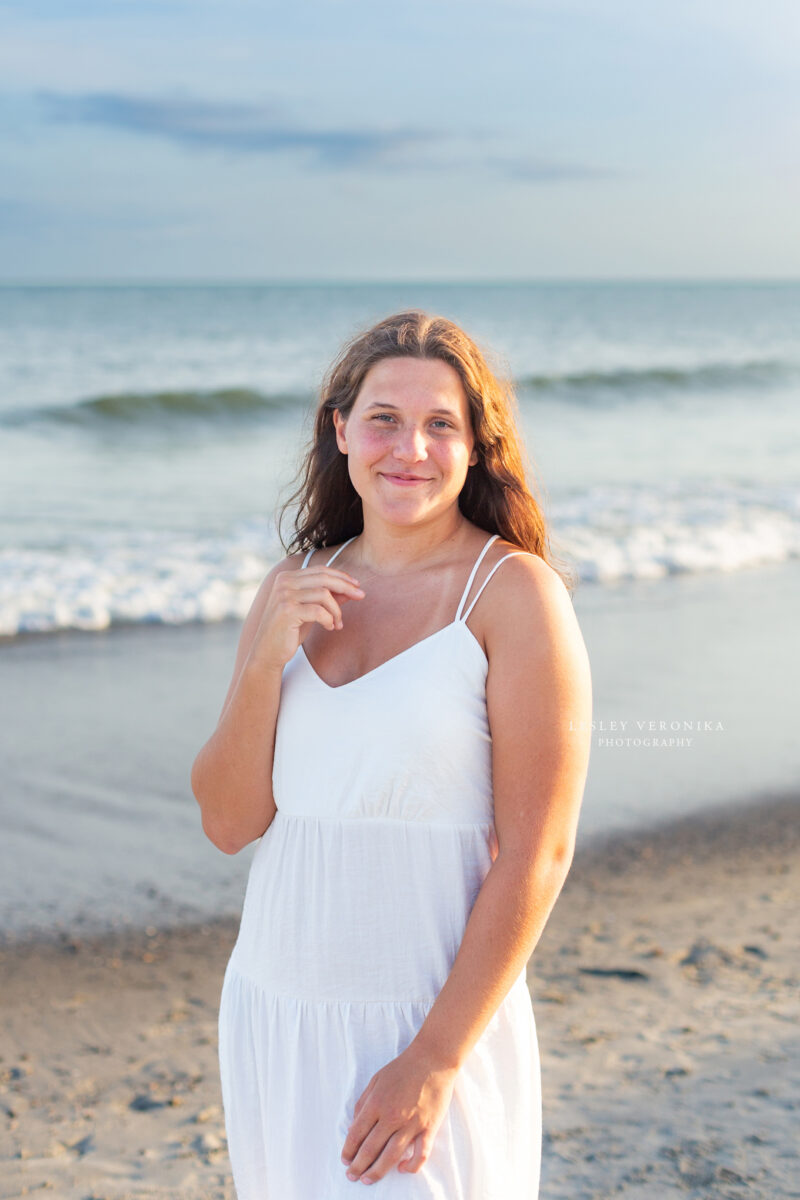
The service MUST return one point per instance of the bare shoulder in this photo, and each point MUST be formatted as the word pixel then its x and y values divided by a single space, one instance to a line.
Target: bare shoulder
pixel 525 579
pixel 527 611
pixel 292 562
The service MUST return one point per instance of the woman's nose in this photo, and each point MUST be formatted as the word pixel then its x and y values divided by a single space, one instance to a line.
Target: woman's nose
pixel 411 443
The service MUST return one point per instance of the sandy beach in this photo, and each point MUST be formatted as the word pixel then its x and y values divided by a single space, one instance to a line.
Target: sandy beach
pixel 665 990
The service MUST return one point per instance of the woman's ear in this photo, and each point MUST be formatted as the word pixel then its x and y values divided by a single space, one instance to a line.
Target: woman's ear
pixel 339 424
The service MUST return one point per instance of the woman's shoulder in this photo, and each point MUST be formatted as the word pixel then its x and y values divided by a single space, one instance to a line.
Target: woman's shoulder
pixel 525 603
pixel 291 562
pixel 529 623
pixel 311 556
pixel 524 576
pixel 314 554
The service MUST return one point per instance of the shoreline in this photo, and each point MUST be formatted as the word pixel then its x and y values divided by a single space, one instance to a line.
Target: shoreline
pixel 98 733
pixel 662 987
pixel 771 822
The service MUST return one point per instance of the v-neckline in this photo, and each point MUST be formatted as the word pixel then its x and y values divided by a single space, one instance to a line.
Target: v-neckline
pixel 388 661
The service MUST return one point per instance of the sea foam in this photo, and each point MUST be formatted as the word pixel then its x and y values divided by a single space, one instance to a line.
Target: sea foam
pixel 610 533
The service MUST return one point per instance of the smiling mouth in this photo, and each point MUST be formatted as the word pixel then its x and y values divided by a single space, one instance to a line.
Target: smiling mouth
pixel 405 478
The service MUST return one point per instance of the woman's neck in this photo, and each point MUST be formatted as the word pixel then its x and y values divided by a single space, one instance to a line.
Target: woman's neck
pixel 402 551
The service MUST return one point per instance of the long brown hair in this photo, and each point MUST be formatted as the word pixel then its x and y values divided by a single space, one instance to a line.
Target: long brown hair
pixel 497 495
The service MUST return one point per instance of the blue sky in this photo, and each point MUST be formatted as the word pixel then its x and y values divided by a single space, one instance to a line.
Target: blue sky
pixel 340 139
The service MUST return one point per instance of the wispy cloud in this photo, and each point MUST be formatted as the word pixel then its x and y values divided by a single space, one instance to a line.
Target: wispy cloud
pixel 260 129
pixel 242 128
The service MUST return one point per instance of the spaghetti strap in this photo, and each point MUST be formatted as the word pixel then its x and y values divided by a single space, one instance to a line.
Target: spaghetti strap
pixel 333 556
pixel 513 554
pixel 465 593
pixel 341 548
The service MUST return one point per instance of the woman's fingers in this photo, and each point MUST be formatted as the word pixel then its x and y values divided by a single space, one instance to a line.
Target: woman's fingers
pixel 362 1099
pixel 407 1099
pixel 322 613
pixel 413 1157
pixel 337 581
pixel 321 597
pixel 368 1148
pixel 325 598
pixel 376 1155
pixel 394 1155
pixel 323 592
pixel 298 598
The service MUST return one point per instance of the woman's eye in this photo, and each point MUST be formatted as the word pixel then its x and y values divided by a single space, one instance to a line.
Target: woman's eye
pixel 437 420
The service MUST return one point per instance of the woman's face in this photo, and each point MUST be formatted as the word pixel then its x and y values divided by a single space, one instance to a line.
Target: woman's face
pixel 408 438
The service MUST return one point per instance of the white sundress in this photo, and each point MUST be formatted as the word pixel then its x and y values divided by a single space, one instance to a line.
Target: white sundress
pixel 357 900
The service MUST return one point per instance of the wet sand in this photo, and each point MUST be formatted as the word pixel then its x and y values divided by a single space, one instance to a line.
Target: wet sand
pixel 665 990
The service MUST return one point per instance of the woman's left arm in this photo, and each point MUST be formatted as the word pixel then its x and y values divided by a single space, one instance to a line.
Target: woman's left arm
pixel 539 700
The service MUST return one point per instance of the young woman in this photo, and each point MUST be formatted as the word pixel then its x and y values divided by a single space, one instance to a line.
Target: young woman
pixel 406 732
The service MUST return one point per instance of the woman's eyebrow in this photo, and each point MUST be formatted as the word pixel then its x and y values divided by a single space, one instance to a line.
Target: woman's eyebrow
pixel 448 412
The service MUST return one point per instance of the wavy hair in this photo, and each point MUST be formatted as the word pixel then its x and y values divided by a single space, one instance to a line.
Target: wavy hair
pixel 498 494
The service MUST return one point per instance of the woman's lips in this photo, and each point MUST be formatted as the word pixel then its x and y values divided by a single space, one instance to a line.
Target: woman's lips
pixel 401 482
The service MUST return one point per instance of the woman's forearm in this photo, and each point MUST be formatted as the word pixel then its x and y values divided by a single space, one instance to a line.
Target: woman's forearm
pixel 232 774
pixel 507 920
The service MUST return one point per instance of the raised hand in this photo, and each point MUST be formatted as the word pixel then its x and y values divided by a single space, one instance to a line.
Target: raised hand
pixel 296 600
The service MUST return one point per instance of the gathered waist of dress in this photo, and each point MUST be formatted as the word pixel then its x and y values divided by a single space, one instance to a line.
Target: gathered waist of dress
pixel 326 898
pixel 445 822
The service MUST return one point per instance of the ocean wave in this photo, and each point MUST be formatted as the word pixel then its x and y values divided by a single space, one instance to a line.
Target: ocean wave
pixel 642 532
pixel 133 578
pixel 242 403
pixel 638 381
pixel 152 407
pixel 610 533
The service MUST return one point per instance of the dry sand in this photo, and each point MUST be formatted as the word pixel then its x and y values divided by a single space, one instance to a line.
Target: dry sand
pixel 665 990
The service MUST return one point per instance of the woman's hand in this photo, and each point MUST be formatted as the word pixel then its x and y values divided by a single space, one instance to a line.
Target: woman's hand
pixel 296 600
pixel 399 1110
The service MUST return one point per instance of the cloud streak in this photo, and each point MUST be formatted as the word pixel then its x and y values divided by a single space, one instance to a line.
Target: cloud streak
pixel 249 129
pixel 241 128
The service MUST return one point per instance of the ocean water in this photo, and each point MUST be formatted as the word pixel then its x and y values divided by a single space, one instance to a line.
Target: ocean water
pixel 146 437
pixel 148 433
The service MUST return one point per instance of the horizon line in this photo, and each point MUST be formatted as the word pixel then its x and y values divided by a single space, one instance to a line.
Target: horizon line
pixel 388 281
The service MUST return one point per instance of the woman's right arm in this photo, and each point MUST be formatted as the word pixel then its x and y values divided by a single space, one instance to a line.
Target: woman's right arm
pixel 232 775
